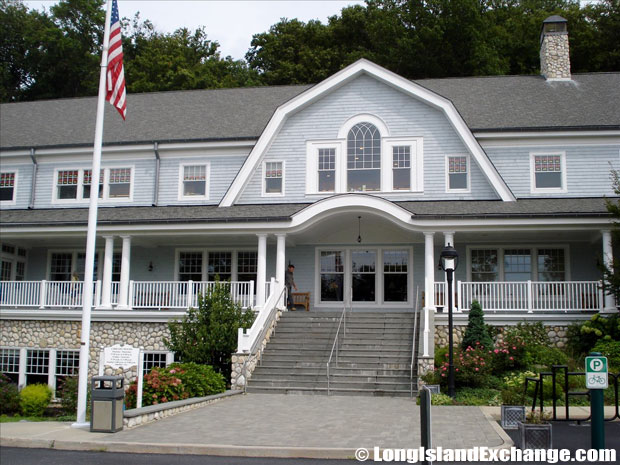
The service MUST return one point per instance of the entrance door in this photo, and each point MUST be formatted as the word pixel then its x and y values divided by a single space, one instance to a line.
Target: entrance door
pixel 363 275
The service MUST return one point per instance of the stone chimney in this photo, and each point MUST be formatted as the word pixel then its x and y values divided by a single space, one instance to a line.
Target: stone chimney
pixel 554 53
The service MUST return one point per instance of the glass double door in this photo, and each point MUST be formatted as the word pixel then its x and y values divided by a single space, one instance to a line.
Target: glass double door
pixel 379 276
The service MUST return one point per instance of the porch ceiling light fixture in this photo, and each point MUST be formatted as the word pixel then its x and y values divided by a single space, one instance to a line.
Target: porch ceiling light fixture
pixel 448 261
pixel 359 229
pixel 151 266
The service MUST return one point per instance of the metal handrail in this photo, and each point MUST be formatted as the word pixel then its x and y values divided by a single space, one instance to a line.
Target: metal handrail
pixel 254 353
pixel 343 318
pixel 413 343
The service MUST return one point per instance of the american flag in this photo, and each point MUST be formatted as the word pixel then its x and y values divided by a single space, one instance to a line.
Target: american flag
pixel 115 85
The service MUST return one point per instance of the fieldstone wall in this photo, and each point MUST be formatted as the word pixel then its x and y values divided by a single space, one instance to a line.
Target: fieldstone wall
pixel 554 56
pixel 67 334
pixel 241 371
pixel 557 335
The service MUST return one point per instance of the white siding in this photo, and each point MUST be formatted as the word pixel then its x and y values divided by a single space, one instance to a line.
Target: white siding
pixel 403 115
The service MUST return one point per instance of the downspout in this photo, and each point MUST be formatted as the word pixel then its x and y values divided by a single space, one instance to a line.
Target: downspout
pixel 157 161
pixel 35 167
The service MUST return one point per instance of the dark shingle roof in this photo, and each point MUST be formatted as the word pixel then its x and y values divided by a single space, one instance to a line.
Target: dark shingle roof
pixel 544 208
pixel 487 103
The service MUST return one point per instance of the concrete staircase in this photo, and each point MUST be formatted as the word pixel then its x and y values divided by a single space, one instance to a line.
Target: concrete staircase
pixel 374 357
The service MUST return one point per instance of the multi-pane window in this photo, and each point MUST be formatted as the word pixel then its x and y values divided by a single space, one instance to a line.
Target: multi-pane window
pixel 67 184
pixel 457 173
pixel 401 167
pixel 195 181
pixel 7 187
pixel 220 266
pixel 87 182
pixel 484 265
pixel 363 158
pixel 80 265
pixel 363 274
pixel 67 365
pixel 7 248
pixel 37 366
pixel 247 266
pixel 152 360
pixel 332 275
pixel 395 269
pixel 548 171
pixel 6 270
pixel 273 177
pixel 551 265
pixel 327 170
pixel 9 363
pixel 517 265
pixel 190 266
pixel 20 271
pixel 119 182
pixel 60 266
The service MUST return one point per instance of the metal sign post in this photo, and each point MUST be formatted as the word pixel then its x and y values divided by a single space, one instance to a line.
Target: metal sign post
pixel 597 381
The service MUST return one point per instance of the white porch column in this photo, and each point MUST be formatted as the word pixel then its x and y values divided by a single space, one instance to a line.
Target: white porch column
pixel 609 305
pixel 261 272
pixel 449 240
pixel 429 270
pixel 280 264
pixel 106 289
pixel 123 291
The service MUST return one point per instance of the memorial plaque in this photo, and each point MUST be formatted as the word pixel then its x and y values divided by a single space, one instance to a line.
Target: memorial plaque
pixel 121 356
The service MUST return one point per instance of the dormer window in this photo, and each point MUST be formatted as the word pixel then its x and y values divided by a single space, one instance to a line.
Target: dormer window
pixel 457 173
pixel 67 184
pixel 273 178
pixel 7 187
pixel 363 158
pixel 194 183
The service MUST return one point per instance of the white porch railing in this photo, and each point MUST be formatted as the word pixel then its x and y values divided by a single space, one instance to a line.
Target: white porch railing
pixel 142 294
pixel 247 342
pixel 440 294
pixel 530 296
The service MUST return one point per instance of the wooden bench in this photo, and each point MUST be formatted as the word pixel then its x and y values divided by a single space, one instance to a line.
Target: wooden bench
pixel 302 299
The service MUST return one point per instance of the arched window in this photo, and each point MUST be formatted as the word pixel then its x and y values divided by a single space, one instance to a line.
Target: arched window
pixel 364 158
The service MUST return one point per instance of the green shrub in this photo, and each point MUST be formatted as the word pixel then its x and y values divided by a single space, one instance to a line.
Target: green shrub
pixel 532 334
pixel 471 367
pixel 611 350
pixel 439 399
pixel 34 399
pixel 476 332
pixel 175 382
pixel 441 355
pixel 9 396
pixel 514 385
pixel 583 337
pixel 478 396
pixel 207 335
pixel 544 357
pixel 508 355
pixel 68 394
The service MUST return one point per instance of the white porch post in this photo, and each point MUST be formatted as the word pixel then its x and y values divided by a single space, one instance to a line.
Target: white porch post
pixel 609 305
pixel 429 270
pixel 280 264
pixel 106 289
pixel 123 291
pixel 449 240
pixel 429 285
pixel 261 272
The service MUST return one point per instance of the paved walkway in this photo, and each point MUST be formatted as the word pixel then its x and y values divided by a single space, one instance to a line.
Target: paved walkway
pixel 278 426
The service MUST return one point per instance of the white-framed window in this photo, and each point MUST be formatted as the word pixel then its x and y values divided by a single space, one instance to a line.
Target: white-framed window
pixel 273 178
pixel 518 263
pixel 155 359
pixel 62 264
pixel 457 173
pixel 395 275
pixel 9 363
pixel 548 172
pixel 12 262
pixel 194 182
pixel 207 264
pixel 327 169
pixel 75 185
pixel 8 187
pixel 331 275
pixel 37 366
pixel 365 158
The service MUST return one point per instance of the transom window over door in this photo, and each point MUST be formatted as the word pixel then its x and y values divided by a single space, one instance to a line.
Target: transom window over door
pixel 364 158
pixel 332 275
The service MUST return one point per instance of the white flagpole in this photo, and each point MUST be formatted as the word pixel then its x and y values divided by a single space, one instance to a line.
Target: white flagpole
pixel 87 295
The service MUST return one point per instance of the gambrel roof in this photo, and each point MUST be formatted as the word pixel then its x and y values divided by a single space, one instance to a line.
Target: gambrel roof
pixel 498 103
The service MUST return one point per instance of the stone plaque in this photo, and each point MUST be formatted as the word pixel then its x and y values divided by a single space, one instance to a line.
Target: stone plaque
pixel 120 356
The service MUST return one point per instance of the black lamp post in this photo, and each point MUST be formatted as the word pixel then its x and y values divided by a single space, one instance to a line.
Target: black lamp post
pixel 448 261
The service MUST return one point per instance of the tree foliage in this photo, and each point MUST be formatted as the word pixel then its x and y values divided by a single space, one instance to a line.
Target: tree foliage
pixel 476 333
pixel 56 53
pixel 207 335
pixel 611 275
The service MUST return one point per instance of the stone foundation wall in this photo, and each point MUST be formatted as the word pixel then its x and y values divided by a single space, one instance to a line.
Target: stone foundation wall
pixel 67 334
pixel 557 335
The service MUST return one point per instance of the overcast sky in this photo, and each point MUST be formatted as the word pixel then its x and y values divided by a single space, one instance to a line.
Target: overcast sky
pixel 231 23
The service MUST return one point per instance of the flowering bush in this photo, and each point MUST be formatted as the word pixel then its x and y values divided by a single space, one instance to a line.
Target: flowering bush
pixel 508 355
pixel 9 395
pixel 471 366
pixel 176 382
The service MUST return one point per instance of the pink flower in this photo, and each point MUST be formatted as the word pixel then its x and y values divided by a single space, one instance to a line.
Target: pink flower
pixel 512 358
pixel 496 351
pixel 477 369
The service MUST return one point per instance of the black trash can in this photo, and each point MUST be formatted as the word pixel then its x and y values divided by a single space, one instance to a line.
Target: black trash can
pixel 107 394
